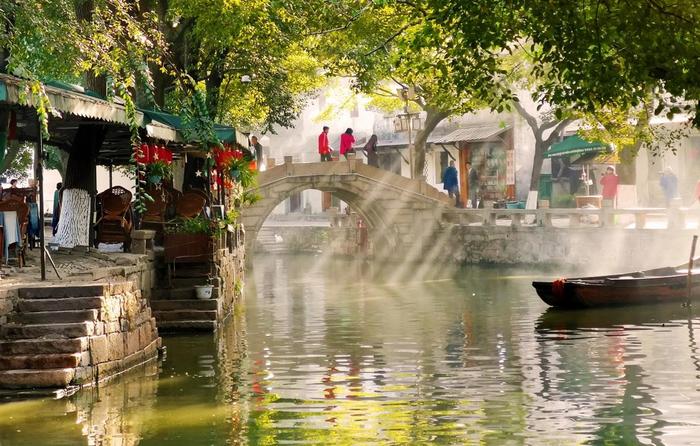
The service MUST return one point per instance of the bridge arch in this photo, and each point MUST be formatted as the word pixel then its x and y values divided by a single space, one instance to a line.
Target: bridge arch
pixel 390 204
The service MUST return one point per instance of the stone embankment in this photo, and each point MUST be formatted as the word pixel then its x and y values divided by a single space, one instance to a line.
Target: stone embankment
pixel 74 335
pixel 174 301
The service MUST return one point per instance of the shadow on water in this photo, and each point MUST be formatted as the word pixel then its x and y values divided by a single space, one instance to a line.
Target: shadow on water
pixel 632 317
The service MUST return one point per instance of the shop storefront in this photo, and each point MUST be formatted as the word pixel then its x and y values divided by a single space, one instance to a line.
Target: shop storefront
pixel 489 149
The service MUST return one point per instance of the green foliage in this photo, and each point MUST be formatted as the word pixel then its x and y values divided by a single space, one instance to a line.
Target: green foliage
pixel 564 201
pixel 17 161
pixel 195 225
pixel 159 169
pixel 53 159
pixel 585 53
pixel 258 39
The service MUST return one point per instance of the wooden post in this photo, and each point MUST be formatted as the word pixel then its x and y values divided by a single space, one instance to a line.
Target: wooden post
pixel 690 268
pixel 39 175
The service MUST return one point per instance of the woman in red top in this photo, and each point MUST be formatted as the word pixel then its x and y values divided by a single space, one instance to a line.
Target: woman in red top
pixel 609 182
pixel 346 142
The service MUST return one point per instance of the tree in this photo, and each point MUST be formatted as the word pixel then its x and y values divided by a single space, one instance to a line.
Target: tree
pixel 587 54
pixel 94 40
pixel 375 43
pixel 249 56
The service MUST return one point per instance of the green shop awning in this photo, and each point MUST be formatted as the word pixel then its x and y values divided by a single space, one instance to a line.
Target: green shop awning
pixel 223 133
pixel 575 145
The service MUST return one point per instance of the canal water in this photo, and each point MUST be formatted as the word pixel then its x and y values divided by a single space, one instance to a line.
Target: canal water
pixel 330 351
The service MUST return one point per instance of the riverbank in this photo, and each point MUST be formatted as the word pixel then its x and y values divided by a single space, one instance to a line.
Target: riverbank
pixel 104 314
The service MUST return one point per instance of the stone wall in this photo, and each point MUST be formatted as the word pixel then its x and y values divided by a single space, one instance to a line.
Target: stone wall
pixel 599 249
pixel 230 269
pixel 75 334
pixel 125 336
pixel 7 297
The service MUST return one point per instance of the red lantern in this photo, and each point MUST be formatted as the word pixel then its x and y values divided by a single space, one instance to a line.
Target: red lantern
pixel 142 154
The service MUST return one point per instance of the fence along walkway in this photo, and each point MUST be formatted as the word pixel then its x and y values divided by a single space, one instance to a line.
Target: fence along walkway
pixel 630 218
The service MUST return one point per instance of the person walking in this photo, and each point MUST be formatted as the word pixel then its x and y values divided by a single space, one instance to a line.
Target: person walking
pixel 473 180
pixel 257 149
pixel 346 142
pixel 56 208
pixel 450 182
pixel 669 184
pixel 370 150
pixel 609 181
pixel 324 149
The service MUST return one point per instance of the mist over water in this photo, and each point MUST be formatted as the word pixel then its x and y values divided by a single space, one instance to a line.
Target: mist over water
pixel 333 351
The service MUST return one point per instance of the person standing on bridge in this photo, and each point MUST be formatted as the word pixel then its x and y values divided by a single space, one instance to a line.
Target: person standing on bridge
pixel 450 182
pixel 669 184
pixel 609 181
pixel 346 142
pixel 370 150
pixel 257 149
pixel 324 149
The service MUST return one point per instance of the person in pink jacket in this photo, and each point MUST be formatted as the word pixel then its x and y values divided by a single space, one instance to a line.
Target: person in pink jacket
pixel 346 142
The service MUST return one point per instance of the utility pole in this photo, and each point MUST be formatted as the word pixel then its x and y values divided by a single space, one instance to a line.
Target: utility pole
pixel 405 94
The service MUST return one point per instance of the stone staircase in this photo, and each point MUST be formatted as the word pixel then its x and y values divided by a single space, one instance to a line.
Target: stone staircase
pixel 268 242
pixel 177 309
pixel 60 336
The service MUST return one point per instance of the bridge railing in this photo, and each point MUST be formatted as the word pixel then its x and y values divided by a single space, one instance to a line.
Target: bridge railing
pixel 630 218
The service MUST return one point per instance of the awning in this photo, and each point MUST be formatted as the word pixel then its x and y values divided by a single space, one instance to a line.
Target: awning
pixel 223 132
pixel 473 134
pixel 67 101
pixel 575 145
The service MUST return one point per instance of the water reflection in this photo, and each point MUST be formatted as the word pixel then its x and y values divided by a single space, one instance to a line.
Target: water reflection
pixel 114 414
pixel 329 351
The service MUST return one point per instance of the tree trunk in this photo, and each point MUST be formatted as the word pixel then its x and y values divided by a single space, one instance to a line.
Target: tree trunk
pixel 74 223
pixel 432 119
pixel 537 161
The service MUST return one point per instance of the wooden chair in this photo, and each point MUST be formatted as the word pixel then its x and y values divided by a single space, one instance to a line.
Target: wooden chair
pixel 190 205
pixel 155 215
pixel 115 222
pixel 22 211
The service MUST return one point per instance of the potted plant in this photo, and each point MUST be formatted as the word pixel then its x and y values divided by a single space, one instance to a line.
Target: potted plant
pixel 158 170
pixel 190 240
pixel 205 291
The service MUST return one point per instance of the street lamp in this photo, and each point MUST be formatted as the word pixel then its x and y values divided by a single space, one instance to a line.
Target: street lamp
pixel 405 93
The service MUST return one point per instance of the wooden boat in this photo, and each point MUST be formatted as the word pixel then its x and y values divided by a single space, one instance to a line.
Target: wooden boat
pixel 652 286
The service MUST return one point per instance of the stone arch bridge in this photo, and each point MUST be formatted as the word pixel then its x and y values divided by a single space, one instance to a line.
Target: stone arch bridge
pixel 401 213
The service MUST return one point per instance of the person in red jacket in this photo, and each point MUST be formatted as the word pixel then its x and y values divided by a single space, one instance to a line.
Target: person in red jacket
pixel 609 181
pixel 324 149
pixel 346 142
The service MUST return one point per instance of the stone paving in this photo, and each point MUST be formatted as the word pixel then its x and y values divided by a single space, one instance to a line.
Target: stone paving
pixel 74 265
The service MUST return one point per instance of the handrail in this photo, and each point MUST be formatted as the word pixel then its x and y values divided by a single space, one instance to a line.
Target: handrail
pixel 675 218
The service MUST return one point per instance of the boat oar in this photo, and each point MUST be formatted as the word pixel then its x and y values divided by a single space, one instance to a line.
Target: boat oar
pixel 690 268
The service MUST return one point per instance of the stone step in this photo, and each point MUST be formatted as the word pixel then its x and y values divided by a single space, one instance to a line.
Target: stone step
pixel 43 346
pixel 183 282
pixel 172 293
pixel 177 326
pixel 51 331
pixel 77 290
pixel 76 303
pixel 185 315
pixel 57 317
pixel 184 304
pixel 54 361
pixel 23 379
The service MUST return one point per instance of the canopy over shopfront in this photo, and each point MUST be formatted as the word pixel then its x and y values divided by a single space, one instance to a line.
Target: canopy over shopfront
pixel 77 106
pixel 575 145
pixel 476 133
